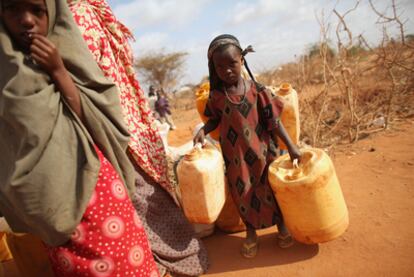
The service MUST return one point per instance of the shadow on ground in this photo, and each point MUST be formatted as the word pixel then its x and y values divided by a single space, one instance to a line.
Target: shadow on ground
pixel 224 252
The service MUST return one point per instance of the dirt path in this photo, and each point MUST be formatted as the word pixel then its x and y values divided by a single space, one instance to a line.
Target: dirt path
pixel 377 179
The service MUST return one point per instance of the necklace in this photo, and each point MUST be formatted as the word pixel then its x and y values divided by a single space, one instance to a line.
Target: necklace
pixel 242 100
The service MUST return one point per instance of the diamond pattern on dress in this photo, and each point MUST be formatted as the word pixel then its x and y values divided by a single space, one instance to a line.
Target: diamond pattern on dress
pixel 232 136
pixel 259 130
pixel 240 186
pixel 245 108
pixel 242 209
pixel 250 157
pixel 269 196
pixel 255 203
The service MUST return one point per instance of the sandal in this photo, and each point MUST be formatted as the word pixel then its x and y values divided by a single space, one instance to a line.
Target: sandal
pixel 249 250
pixel 284 241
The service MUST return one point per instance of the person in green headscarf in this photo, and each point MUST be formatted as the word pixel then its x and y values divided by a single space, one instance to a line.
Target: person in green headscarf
pixel 64 173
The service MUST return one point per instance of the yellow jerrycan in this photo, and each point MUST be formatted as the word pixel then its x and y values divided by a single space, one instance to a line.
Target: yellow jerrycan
pixel 202 94
pixel 5 254
pixel 229 219
pixel 29 255
pixel 309 196
pixel 201 183
pixel 290 113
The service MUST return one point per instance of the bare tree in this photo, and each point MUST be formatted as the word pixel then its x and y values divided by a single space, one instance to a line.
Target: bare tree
pixel 162 69
pixel 346 68
pixel 357 88
pixel 393 55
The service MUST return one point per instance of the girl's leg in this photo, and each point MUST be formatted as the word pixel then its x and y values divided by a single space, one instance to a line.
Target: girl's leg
pixel 251 235
pixel 284 239
pixel 250 245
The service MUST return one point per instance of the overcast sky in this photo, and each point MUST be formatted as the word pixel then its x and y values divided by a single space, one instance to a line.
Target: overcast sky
pixel 278 30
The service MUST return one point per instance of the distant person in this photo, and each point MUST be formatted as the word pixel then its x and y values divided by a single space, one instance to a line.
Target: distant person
pixel 162 106
pixel 248 115
pixel 152 98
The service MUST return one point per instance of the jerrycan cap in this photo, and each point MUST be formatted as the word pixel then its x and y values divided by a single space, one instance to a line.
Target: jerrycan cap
pixel 203 91
pixel 284 88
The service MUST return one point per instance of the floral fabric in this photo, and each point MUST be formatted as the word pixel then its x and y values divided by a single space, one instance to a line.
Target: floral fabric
pixel 110 239
pixel 107 39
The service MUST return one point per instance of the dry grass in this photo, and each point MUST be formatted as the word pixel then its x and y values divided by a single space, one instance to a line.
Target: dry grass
pixel 371 95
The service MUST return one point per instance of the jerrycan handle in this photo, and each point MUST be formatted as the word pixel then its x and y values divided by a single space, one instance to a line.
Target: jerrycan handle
pixel 296 171
pixel 295 163
pixel 195 153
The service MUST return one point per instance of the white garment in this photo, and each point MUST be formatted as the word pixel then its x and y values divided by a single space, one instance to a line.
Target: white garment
pixel 151 101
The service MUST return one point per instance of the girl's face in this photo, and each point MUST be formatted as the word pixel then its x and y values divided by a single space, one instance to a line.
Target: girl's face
pixel 23 18
pixel 228 64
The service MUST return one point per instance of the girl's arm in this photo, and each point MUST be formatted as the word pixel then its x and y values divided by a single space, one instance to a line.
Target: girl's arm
pixel 293 150
pixel 207 128
pixel 45 53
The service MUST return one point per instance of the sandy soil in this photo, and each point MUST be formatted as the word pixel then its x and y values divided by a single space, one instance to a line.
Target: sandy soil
pixel 377 179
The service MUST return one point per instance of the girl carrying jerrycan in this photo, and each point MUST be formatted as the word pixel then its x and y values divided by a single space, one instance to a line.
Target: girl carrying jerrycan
pixel 248 115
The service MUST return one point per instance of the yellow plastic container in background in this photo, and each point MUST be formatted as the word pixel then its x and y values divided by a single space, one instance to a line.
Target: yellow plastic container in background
pixel 201 183
pixel 5 254
pixel 309 196
pixel 201 101
pixel 29 255
pixel 290 113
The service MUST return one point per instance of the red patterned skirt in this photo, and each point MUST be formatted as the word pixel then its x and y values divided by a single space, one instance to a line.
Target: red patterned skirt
pixel 110 239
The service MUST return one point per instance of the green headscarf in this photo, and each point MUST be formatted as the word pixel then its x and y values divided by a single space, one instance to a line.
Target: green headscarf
pixel 48 165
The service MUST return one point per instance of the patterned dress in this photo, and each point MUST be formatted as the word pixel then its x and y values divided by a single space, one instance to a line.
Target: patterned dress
pixel 110 239
pixel 248 150
pixel 107 39
pixel 173 242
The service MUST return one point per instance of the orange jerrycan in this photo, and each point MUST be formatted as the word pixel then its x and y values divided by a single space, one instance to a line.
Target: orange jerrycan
pixel 202 94
pixel 201 183
pixel 290 113
pixel 5 254
pixel 29 254
pixel 309 196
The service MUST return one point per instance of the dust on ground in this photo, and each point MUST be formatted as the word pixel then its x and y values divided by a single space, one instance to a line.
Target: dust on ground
pixel 377 179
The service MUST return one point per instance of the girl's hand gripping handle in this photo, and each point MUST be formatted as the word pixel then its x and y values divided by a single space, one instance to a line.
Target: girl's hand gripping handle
pixel 199 137
pixel 294 153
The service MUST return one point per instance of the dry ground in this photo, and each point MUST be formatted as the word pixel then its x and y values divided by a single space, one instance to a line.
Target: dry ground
pixel 377 179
